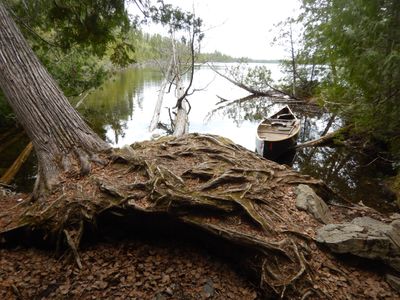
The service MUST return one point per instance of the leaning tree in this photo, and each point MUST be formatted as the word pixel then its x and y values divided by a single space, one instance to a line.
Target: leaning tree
pixel 61 139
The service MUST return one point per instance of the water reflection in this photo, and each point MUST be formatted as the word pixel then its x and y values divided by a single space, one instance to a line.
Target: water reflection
pixel 121 111
pixel 110 109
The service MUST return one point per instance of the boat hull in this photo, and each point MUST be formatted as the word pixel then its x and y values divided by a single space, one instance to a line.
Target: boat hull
pixel 276 150
pixel 276 136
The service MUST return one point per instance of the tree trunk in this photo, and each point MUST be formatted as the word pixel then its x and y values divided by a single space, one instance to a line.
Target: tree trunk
pixel 273 94
pixel 323 140
pixel 294 71
pixel 181 122
pixel 157 110
pixel 60 137
pixel 329 125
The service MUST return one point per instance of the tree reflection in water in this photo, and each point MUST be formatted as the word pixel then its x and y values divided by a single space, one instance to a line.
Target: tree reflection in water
pixel 357 176
pixel 114 104
pixel 121 110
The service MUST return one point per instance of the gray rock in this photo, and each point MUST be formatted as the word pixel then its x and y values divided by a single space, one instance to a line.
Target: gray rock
pixel 364 237
pixel 395 216
pixel 208 288
pixel 393 281
pixel 309 201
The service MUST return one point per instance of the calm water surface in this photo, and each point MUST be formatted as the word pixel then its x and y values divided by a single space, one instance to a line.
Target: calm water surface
pixel 121 111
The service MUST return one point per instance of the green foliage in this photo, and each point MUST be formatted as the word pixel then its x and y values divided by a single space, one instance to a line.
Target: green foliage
pixel 301 70
pixel 359 40
pixel 79 41
pixel 87 23
pixel 175 18
pixel 151 47
pixel 121 54
pixel 75 73
pixel 306 83
pixel 258 77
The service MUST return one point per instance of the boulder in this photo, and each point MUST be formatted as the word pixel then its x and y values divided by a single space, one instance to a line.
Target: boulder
pixel 364 237
pixel 310 202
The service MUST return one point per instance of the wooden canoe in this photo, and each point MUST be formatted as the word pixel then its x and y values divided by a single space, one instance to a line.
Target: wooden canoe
pixel 277 134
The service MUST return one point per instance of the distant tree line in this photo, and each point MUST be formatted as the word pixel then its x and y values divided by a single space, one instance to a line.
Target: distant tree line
pixel 82 52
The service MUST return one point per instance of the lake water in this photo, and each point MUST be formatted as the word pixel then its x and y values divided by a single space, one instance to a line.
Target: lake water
pixel 121 111
pixel 125 105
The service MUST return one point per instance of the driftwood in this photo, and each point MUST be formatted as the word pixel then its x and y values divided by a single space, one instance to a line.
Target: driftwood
pixel 204 182
pixel 180 124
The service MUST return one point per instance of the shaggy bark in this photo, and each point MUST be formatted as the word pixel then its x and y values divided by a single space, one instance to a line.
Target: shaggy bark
pixel 61 139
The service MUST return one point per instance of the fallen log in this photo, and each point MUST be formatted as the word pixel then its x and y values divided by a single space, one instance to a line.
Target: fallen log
pixel 273 93
pixel 321 141
pixel 325 139
pixel 9 175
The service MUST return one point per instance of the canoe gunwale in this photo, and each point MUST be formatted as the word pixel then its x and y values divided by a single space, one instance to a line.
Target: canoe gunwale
pixel 295 128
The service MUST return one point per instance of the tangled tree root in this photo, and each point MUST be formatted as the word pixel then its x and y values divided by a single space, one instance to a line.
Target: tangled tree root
pixel 204 181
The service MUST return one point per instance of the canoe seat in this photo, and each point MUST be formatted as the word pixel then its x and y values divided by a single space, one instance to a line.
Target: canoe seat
pixel 278 124
pixel 281 121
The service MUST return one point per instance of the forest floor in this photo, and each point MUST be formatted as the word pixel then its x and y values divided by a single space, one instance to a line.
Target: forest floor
pixel 132 268
pixel 209 242
pixel 156 268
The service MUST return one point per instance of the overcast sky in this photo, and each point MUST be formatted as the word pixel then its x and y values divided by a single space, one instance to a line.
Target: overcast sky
pixel 241 28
